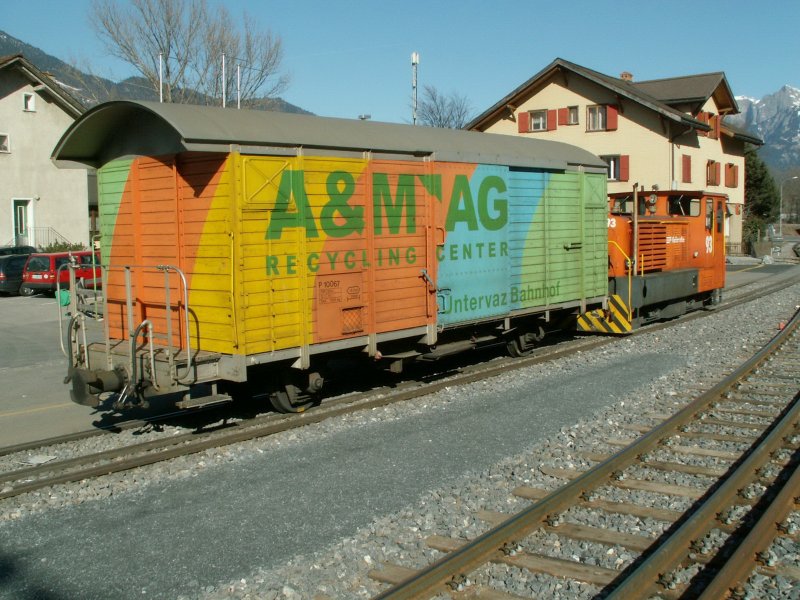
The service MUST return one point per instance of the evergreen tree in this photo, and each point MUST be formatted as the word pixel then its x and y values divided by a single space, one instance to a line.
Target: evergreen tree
pixel 761 198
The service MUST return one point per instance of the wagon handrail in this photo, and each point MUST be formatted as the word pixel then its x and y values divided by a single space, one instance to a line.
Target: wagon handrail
pixel 58 305
pixel 165 269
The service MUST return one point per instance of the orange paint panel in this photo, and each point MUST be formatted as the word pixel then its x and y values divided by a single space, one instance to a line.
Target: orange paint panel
pixel 148 232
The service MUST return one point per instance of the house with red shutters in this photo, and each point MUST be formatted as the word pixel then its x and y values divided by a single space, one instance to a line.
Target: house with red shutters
pixel 663 134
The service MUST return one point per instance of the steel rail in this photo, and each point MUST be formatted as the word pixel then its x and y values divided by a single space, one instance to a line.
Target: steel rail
pixel 525 361
pixel 740 563
pixel 433 579
pixel 188 443
pixel 643 581
pixel 157 450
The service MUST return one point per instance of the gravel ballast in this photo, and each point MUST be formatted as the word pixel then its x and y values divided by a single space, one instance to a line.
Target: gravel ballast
pixel 310 512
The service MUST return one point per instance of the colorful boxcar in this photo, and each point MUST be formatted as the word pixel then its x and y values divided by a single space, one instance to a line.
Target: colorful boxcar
pixel 254 246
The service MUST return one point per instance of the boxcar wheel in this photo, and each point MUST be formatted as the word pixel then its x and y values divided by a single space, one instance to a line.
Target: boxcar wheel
pixel 524 343
pixel 517 348
pixel 290 400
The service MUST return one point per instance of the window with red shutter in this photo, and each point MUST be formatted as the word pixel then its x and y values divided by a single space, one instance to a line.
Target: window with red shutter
pixel 618 166
pixel 731 175
pixel 713 121
pixel 624 167
pixel 523 122
pixel 551 120
pixel 611 117
pixel 686 169
pixel 703 117
pixel 713 169
pixel 596 118
pixel 572 115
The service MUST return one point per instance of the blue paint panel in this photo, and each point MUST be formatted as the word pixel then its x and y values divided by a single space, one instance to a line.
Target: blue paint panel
pixel 475 264
pixel 525 195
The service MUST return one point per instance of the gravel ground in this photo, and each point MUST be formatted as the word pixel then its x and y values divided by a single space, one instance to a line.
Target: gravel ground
pixel 442 457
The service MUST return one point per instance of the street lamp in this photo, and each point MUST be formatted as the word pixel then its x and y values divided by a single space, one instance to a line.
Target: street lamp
pixel 780 207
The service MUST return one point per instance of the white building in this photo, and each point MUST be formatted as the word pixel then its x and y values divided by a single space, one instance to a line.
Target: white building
pixel 39 204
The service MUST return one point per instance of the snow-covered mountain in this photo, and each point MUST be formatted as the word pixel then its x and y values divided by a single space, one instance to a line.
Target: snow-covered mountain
pixel 775 119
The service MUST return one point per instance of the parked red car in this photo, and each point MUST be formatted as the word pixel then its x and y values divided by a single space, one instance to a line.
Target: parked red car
pixel 41 271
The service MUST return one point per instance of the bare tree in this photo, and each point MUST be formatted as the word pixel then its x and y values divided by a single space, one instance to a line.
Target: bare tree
pixel 438 110
pixel 191 39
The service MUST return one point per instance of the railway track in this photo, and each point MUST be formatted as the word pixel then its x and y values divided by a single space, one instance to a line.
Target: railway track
pixel 130 456
pixel 730 456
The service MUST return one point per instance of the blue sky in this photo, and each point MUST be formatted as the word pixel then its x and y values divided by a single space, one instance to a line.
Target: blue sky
pixel 347 58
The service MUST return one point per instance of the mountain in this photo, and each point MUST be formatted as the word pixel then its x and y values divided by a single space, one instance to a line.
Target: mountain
pixel 775 119
pixel 90 89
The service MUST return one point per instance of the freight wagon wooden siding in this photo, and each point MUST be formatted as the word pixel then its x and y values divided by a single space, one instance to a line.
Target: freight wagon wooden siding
pixel 400 223
pixel 532 239
pixel 557 237
pixel 287 252
pixel 313 276
pixel 159 211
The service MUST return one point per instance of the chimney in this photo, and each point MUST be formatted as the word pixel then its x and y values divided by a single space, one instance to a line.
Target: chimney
pixel 626 76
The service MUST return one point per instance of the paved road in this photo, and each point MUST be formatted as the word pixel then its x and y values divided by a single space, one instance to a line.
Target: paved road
pixel 34 402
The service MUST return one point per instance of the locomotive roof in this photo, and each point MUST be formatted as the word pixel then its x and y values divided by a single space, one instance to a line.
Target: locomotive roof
pixel 125 128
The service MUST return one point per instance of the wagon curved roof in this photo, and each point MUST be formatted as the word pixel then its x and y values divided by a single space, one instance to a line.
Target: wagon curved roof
pixel 127 128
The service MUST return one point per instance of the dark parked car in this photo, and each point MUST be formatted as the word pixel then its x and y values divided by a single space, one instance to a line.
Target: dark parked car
pixel 41 271
pixel 6 250
pixel 11 267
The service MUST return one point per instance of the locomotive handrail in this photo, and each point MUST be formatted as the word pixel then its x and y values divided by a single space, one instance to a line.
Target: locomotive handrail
pixel 630 285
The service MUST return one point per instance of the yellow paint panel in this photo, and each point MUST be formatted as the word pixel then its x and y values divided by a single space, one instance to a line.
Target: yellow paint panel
pixel 277 282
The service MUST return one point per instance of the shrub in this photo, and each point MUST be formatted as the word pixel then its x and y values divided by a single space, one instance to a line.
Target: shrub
pixel 63 247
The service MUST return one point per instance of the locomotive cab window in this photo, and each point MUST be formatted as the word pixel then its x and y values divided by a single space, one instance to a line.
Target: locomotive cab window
pixel 709 214
pixel 621 206
pixel 683 206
